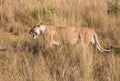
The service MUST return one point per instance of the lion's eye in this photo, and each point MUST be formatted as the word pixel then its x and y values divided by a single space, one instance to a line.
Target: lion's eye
pixel 30 32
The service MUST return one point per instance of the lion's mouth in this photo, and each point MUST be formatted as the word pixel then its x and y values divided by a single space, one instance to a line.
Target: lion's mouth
pixel 34 36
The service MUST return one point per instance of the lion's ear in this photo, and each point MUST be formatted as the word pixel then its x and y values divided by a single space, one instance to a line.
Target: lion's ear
pixel 41 23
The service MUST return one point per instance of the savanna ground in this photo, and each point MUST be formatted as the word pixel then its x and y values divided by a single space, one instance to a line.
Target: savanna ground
pixel 21 58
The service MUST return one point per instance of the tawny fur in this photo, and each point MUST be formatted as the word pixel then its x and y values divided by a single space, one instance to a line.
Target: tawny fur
pixel 68 35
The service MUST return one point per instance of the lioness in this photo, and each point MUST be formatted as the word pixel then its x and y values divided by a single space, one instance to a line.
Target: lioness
pixel 53 35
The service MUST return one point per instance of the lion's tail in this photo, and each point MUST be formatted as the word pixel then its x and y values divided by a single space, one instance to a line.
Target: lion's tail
pixel 99 47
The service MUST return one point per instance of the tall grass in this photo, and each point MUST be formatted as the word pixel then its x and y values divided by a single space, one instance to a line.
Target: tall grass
pixel 22 59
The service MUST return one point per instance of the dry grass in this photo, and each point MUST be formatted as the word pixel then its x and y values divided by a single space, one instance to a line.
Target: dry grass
pixel 21 58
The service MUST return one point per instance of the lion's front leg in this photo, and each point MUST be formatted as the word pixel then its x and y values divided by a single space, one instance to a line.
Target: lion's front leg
pixel 48 39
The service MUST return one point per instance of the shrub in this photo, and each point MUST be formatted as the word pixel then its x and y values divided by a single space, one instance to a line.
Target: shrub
pixel 31 46
pixel 117 50
pixel 113 7
pixel 43 11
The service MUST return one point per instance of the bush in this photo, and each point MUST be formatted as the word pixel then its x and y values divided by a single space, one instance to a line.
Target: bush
pixel 43 11
pixel 117 50
pixel 113 7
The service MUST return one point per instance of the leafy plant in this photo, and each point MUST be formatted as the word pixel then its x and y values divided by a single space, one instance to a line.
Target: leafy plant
pixel 113 7
pixel 43 11
pixel 117 50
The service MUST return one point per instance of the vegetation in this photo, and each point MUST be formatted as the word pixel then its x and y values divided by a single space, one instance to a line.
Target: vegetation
pixel 21 56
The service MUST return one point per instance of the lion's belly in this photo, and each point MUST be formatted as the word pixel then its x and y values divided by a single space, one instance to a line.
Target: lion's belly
pixel 68 37
pixel 71 38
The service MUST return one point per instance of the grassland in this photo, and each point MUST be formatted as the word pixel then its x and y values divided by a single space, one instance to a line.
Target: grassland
pixel 21 58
